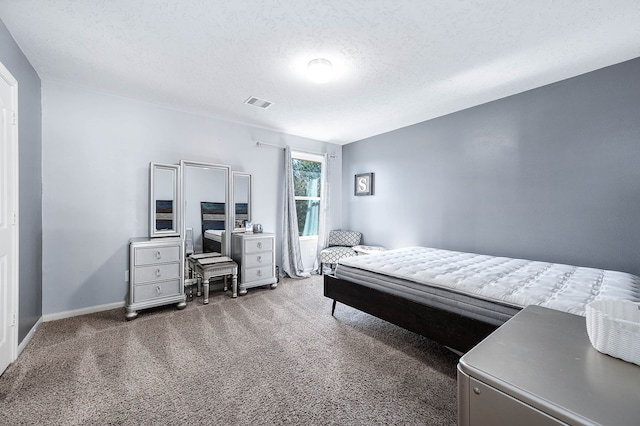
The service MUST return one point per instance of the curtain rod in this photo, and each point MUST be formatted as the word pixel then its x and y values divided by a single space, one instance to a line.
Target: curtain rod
pixel 268 145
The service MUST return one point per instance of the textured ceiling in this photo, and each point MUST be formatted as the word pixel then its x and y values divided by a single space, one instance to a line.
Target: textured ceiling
pixel 397 62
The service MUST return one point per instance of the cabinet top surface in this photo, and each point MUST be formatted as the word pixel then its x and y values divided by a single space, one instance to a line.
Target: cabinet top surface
pixel 150 241
pixel 545 357
pixel 254 234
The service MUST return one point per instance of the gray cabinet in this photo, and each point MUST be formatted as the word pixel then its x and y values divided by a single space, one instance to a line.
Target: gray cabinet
pixel 255 255
pixel 539 368
pixel 156 274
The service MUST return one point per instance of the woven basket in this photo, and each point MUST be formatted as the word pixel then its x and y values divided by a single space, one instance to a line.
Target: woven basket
pixel 613 327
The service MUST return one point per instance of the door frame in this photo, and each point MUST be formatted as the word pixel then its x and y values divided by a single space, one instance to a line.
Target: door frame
pixel 6 75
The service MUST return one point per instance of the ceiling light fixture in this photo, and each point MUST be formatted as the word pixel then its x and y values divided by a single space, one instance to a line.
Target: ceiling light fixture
pixel 320 70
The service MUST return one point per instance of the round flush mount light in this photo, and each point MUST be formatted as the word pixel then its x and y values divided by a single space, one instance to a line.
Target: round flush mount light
pixel 319 70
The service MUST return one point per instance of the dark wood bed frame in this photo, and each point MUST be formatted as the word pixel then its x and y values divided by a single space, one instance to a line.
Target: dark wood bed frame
pixel 453 330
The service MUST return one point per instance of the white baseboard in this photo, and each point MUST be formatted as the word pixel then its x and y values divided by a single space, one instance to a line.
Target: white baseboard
pixel 83 311
pixel 28 337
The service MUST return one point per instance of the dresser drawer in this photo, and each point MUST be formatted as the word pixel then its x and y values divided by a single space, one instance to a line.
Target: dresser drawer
pixel 256 274
pixel 156 290
pixel 166 271
pixel 152 256
pixel 255 245
pixel 258 259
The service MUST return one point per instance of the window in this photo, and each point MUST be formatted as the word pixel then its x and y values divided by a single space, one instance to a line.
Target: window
pixel 307 171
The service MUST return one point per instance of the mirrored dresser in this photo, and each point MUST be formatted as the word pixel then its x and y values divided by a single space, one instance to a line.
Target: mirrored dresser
pixel 255 255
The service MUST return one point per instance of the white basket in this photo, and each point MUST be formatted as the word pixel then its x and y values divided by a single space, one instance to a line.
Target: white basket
pixel 613 327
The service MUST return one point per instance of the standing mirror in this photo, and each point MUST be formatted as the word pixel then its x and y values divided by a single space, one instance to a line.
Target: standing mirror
pixel 206 214
pixel 241 199
pixel 164 189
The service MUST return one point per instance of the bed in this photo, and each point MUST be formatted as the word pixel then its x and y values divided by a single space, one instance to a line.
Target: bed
pixel 459 298
pixel 213 241
pixel 213 218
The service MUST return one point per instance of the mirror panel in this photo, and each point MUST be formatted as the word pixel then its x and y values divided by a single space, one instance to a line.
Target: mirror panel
pixel 164 189
pixel 241 199
pixel 206 215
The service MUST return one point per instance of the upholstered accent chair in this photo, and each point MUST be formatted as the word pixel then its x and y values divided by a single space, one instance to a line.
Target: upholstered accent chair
pixel 340 245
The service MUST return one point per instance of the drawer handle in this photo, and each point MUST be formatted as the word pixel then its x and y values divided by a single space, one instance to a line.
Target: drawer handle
pixel 259 259
pixel 158 255
pixel 259 273
pixel 158 273
pixel 259 245
pixel 476 390
pixel 158 290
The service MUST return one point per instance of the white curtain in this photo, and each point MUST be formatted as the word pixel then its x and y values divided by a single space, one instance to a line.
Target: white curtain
pixel 291 256
pixel 323 231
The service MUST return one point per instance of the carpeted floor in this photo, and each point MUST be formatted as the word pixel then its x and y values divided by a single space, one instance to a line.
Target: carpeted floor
pixel 270 357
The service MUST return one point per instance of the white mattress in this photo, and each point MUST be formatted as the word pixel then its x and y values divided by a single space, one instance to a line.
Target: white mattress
pixel 485 287
pixel 214 234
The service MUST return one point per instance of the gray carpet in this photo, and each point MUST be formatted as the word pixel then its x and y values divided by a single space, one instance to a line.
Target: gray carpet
pixel 270 357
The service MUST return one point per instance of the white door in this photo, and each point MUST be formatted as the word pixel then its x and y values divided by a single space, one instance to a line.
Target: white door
pixel 8 217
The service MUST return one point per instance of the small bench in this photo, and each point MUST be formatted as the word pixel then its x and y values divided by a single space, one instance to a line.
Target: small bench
pixel 207 267
pixel 191 276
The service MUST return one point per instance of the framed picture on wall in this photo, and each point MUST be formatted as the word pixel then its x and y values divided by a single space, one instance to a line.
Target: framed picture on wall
pixel 363 184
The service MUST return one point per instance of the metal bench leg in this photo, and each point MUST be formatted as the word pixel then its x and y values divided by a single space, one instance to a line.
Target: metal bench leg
pixel 333 307
pixel 234 285
pixel 190 282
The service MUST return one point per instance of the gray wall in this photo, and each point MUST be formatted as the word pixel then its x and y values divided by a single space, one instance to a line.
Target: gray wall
pixel 96 154
pixel 30 182
pixel 550 174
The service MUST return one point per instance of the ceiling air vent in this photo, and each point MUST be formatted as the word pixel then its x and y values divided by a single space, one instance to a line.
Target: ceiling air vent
pixel 259 103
